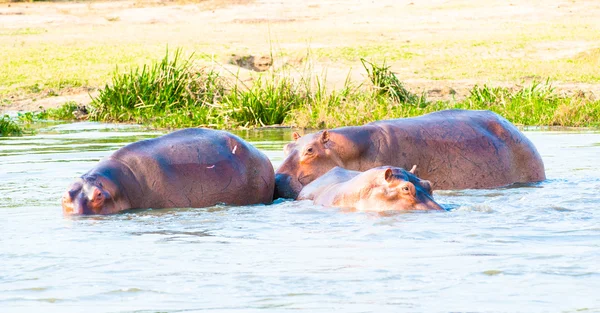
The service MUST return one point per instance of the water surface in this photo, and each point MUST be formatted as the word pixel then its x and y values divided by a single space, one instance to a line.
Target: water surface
pixel 532 248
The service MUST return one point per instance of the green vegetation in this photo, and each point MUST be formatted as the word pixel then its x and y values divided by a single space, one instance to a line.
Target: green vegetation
pixel 29 122
pixel 388 85
pixel 266 102
pixel 170 91
pixel 9 127
pixel 537 104
pixel 173 93
pixel 44 69
pixel 67 112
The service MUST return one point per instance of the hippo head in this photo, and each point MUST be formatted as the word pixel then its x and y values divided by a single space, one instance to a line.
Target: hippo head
pixel 306 159
pixel 395 189
pixel 93 194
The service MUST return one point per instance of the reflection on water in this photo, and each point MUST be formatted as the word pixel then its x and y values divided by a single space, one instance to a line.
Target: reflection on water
pixel 528 248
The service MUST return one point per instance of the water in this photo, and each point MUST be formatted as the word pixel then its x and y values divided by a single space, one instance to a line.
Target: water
pixel 528 249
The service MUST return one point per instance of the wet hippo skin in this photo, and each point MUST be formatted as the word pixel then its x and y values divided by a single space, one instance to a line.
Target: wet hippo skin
pixel 454 149
pixel 188 168
pixel 383 188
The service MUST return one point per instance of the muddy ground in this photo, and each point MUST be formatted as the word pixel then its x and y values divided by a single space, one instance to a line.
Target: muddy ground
pixel 255 27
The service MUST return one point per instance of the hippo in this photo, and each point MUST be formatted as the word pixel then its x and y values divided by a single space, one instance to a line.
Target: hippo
pixel 383 188
pixel 187 168
pixel 455 149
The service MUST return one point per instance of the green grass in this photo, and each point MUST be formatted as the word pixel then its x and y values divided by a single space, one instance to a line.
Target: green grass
pixel 168 93
pixel 8 127
pixel 386 84
pixel 535 104
pixel 173 93
pixel 266 102
pixel 34 69
pixel 66 112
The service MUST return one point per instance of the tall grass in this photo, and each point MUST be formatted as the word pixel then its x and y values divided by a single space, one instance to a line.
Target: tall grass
pixel 388 85
pixel 266 102
pixel 173 93
pixel 530 105
pixel 535 104
pixel 9 127
pixel 173 87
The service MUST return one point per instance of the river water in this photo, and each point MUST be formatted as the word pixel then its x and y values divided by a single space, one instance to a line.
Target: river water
pixel 528 249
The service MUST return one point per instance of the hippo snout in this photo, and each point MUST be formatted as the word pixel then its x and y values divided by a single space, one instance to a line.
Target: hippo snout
pixel 74 202
pixel 286 187
pixel 72 205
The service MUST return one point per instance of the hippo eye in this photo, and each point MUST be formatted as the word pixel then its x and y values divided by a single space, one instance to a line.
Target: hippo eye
pixel 309 150
pixel 405 188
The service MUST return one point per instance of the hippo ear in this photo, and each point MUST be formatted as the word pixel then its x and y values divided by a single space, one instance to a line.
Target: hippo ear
pixel 427 186
pixel 296 136
pixel 413 169
pixel 388 174
pixel 325 136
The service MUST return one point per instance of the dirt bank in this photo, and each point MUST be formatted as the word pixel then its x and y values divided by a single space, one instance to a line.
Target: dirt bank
pixel 261 26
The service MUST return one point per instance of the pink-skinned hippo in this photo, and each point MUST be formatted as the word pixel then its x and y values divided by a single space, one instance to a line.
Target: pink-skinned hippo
pixel 454 149
pixel 188 168
pixel 383 188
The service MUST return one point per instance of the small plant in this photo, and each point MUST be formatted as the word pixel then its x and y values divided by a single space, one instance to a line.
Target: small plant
pixel 9 127
pixel 66 112
pixel 27 117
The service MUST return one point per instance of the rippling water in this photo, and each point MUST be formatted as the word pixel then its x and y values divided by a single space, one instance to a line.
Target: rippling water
pixel 527 249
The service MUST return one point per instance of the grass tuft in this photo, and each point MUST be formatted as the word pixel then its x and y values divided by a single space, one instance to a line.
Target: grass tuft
pixel 387 84
pixel 266 102
pixel 170 87
pixel 8 127
pixel 67 112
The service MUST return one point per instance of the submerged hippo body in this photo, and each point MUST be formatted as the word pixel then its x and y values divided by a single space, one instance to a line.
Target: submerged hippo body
pixel 454 149
pixel 382 188
pixel 187 168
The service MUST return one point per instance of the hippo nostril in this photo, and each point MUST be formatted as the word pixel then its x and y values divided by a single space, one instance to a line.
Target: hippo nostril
pixel 85 209
pixel 72 194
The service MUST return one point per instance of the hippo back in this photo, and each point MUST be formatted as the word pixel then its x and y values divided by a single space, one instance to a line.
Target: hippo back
pixel 320 185
pixel 458 149
pixel 198 167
